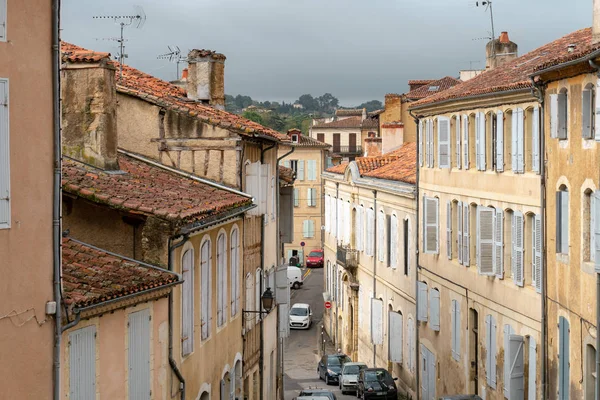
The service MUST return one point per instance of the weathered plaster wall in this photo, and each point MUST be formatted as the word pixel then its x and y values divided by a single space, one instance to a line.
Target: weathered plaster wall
pixel 26 247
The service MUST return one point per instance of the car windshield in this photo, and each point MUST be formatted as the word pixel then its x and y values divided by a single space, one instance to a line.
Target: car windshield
pixel 352 369
pixel 338 360
pixel 315 254
pixel 374 376
pixel 302 312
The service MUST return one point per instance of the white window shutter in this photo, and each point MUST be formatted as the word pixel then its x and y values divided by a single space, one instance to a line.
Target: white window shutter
pixel 305 228
pixel 381 236
pixel 465 120
pixel 205 280
pixel 493 352
pixel 427 153
pixel 3 20
pixel 586 114
pixel 394 241
pixel 455 313
pixel 4 146
pixel 562 115
pixel 459 234
pixel 532 368
pixel 296 197
pixel 485 240
pixel 187 303
pixel 508 330
pixel 458 149
pixel 554 115
pixel 421 142
pixel 347 222
pixel 422 301
pixel 499 141
pixel 309 197
pixel 327 211
pixel 515 141
pixel 311 225
pixel 596 121
pixel 264 188
pixel 395 343
pixel 499 243
pixel 449 229
pixel 482 147
pixel 478 142
pixel 300 172
pixel 521 141
pixel 377 321
pixel 535 137
pixel 411 344
pixel 370 232
pixel 312 167
pixel 564 223
pixel 434 309
pixel 431 145
pixel 595 229
pixel 428 125
pixel 537 253
pixel 431 225
pixel 518 248
pixel 444 142
pixel 466 235
pixel 517 367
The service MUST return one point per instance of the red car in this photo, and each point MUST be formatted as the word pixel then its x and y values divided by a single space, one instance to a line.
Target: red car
pixel 315 259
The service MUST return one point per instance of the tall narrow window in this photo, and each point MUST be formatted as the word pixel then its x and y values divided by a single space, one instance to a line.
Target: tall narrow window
pixel 221 280
pixel 431 225
pixel 455 312
pixel 562 220
pixel 187 303
pixel 499 133
pixel 564 370
pixel 234 257
pixel 449 240
pixel 558 114
pixel 444 142
pixel 590 372
pixel 206 280
pixel 381 237
pixel 138 350
pixel 587 112
pixel 4 145
pixel 311 197
pixel 465 144
pixel 490 344
pixel 406 237
pixel 82 363
pixel 370 239
pixel 518 134
pixel 480 141
pixel 458 141
pixel 393 242
pixel 395 333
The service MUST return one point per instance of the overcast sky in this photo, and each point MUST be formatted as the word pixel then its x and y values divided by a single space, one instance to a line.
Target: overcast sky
pixel 358 50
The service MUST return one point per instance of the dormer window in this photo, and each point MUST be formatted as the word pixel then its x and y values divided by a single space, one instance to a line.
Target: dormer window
pixel 433 88
pixel 295 138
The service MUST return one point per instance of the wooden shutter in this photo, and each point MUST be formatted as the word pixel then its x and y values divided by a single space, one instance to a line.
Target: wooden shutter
pixel 377 324
pixel 221 281
pixel 465 121
pixel 458 149
pixel 554 115
pixel 499 243
pixel 459 234
pixel 82 363
pixel 520 141
pixel 532 369
pixel 381 236
pixel 490 361
pixel 206 278
pixel 466 235
pixel 563 359
pixel 444 142
pixel 499 141
pixel 482 146
pixel 515 141
pixel 421 143
pixel 422 301
pixel 4 146
pixel 508 330
pixel 518 248
pixel 393 242
pixel 3 20
pixel 485 240
pixel 595 229
pixel 300 171
pixel 455 330
pixel 235 271
pixel 562 115
pixel 535 138
pixel 411 344
pixel 449 229
pixel 517 367
pixel 434 309
pixel 431 145
pixel 139 355
pixel 562 222
pixel 596 120
pixel 431 225
pixel 395 343
pixel 537 253
pixel 187 303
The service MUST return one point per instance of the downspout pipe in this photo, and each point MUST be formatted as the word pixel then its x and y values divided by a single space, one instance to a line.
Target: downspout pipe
pixel 337 235
pixel 172 362
pixel 56 202
pixel 375 250
pixel 417 253
pixel 538 93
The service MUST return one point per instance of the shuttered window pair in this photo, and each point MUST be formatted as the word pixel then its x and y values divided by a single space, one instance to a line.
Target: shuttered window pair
pixel 381 242
pixel 455 322
pixel 443 126
pixel 562 222
pixel 4 142
pixel 311 199
pixel 370 232
pixel 480 149
pixel 308 228
pixel 395 333
pixel 558 115
pixel 490 355
pixel 463 233
pixel 431 225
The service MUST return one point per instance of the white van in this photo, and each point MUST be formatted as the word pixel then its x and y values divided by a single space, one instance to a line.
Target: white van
pixel 295 277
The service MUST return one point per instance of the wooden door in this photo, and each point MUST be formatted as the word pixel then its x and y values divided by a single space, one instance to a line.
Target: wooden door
pixel 352 143
pixel 336 142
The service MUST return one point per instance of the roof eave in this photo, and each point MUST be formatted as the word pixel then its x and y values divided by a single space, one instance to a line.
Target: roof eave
pixel 590 56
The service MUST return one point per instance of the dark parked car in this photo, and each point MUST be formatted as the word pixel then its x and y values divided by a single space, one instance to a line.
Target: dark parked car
pixel 330 366
pixel 315 259
pixel 318 392
pixel 461 397
pixel 376 383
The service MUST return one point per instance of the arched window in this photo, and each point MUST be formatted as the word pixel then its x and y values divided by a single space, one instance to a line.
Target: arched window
pixel 187 303
pixel 590 372
pixel 221 280
pixel 234 259
pixel 206 292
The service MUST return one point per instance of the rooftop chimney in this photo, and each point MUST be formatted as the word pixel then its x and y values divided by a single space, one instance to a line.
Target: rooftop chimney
pixel 500 51
pixel 206 75
pixel 596 23
pixel 89 112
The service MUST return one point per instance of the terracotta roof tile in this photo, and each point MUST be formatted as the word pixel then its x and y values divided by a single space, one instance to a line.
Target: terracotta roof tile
pixel 286 174
pixel 420 81
pixel 307 141
pixel 149 88
pixel 338 169
pixel 366 164
pixel 370 123
pixel 91 275
pixel 79 54
pixel 148 189
pixel 515 74
pixel 438 86
pixel 352 122
pixel 403 169
pixel 349 112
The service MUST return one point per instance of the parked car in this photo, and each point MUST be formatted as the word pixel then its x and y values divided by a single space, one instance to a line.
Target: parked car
pixel 315 259
pixel 376 383
pixel 349 376
pixel 295 277
pixel 461 397
pixel 312 397
pixel 317 392
pixel 330 366
pixel 300 316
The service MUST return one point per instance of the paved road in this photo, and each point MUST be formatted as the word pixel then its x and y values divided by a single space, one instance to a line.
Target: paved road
pixel 300 361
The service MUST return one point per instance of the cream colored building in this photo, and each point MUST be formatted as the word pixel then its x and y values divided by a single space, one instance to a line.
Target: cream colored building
pixel 370 268
pixel 307 160
pixel 26 189
pixel 572 218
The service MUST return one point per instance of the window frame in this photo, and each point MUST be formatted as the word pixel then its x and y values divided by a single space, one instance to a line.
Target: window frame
pixel 5 223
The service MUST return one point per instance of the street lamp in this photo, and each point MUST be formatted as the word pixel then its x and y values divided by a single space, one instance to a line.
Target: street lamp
pixel 266 301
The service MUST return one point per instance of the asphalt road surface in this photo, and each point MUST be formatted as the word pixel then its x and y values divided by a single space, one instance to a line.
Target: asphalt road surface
pixel 300 359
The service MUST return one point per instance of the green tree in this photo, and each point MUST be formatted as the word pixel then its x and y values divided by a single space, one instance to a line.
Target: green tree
pixel 253 116
pixel 308 102
pixel 372 105
pixel 327 103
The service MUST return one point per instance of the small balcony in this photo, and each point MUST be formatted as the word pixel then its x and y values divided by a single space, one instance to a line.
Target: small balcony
pixel 350 150
pixel 347 257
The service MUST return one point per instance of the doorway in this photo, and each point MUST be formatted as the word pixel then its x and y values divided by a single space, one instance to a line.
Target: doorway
pixel 336 143
pixel 352 143
pixel 473 350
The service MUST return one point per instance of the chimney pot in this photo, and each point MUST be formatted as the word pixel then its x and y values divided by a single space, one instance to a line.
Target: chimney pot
pixel 504 37
pixel 206 77
pixel 184 74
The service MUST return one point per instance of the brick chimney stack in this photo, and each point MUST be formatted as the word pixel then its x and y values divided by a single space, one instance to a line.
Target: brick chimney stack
pixel 206 77
pixel 596 22
pixel 500 51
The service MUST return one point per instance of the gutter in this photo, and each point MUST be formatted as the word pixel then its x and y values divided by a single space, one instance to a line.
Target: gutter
pixel 215 219
pixel 56 201
pixel 182 173
pixel 566 64
pixel 475 96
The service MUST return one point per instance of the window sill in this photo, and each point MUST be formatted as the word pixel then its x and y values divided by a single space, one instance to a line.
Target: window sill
pixel 562 258
pixel 588 267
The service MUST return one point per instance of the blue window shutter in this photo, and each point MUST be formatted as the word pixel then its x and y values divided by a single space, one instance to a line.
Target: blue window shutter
pixel 82 363
pixel 4 146
pixel 562 115
pixel 564 359
pixel 554 115
pixel 499 141
pixel 187 303
pixel 422 301
pixel 535 137
pixel 532 368
pixel 564 224
pixel 139 355
pixel 300 172
pixel 434 309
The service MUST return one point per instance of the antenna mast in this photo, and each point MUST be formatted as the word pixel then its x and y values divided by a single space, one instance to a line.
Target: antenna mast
pixel 138 20
pixel 174 55
pixel 488 5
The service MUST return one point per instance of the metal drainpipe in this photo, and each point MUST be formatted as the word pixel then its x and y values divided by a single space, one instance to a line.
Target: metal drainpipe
pixel 417 391
pixel 172 362
pixel 56 203
pixel 538 92
pixel 337 289
pixel 374 269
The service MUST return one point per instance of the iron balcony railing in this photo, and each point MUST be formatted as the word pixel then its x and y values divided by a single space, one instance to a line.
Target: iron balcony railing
pixel 347 257
pixel 347 149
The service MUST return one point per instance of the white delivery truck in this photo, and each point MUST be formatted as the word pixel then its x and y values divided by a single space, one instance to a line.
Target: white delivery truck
pixel 295 277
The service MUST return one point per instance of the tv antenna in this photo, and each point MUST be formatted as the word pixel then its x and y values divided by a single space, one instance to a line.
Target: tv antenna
pixel 488 6
pixel 174 55
pixel 137 20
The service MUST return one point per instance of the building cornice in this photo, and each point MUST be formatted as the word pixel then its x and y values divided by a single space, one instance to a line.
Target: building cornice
pixel 393 187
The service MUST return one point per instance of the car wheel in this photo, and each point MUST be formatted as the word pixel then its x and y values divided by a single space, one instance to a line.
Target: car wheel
pixel 357 393
pixel 296 285
pixel 319 373
pixel 326 379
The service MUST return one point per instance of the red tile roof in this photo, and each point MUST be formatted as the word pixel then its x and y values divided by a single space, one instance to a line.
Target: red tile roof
pixel 366 164
pixel 440 85
pixel 153 90
pixel 352 122
pixel 403 169
pixel 286 174
pixel 92 276
pixel 420 81
pixel 349 112
pixel 370 123
pixel 149 190
pixel 338 169
pixel 307 141
pixel 79 54
pixel 515 74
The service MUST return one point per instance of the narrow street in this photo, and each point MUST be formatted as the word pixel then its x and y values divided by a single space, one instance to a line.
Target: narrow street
pixel 301 352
